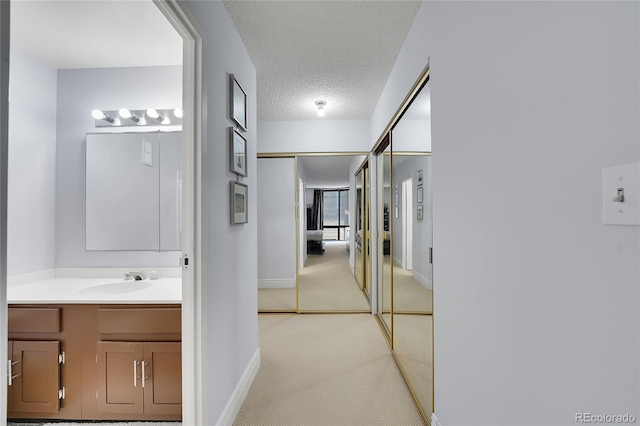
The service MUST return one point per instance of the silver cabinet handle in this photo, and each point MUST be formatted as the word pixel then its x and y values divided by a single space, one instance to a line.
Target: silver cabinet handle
pixel 143 374
pixel 135 373
pixel 10 375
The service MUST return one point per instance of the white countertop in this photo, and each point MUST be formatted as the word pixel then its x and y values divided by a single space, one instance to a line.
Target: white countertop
pixel 96 291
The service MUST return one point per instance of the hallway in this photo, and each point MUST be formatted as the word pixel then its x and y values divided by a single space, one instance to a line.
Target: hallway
pixel 326 370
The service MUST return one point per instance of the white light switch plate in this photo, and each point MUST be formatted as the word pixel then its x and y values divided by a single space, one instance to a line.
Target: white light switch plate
pixel 627 178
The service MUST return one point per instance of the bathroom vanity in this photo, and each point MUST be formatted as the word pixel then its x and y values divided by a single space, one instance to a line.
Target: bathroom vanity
pixel 95 349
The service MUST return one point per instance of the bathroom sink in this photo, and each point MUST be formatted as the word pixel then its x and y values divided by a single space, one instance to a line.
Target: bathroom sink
pixel 117 287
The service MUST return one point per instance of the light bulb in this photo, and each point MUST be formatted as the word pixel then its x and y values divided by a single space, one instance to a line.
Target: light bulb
pixel 151 112
pixel 320 105
pixel 178 112
pixel 98 115
pixel 125 113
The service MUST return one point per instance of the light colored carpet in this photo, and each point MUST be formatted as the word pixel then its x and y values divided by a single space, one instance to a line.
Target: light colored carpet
pixel 413 344
pixel 326 370
pixel 327 283
pixel 409 296
pixel 100 423
pixel 276 299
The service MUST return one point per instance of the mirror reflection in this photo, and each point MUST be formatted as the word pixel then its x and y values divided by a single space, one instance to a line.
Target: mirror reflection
pixel 329 254
pixel 412 240
pixel 133 172
pixel 384 282
pixel 307 229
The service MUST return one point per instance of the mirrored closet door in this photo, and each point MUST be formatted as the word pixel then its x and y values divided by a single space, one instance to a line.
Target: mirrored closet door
pixel 412 227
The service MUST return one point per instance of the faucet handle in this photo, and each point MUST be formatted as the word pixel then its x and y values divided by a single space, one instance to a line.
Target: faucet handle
pixel 127 276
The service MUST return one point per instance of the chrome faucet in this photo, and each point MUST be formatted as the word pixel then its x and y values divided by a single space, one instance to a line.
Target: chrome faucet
pixel 137 276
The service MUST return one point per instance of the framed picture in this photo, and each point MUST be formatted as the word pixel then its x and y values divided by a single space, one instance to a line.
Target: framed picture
pixel 238 152
pixel 238 203
pixel 419 177
pixel 420 212
pixel 419 195
pixel 238 104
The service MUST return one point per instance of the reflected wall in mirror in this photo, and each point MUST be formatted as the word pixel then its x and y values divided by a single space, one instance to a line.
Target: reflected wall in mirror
pixel 276 221
pixel 326 281
pixel 412 240
pixel 133 191
pixel 385 233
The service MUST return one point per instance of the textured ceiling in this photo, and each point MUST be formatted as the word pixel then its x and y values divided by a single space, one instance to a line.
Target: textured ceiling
pixel 327 171
pixel 95 34
pixel 338 51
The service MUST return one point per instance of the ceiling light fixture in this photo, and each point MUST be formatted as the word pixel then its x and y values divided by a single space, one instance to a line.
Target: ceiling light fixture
pixel 125 113
pixel 153 113
pixel 100 115
pixel 320 105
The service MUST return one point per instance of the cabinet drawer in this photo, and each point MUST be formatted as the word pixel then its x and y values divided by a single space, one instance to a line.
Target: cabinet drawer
pixel 139 320
pixel 34 320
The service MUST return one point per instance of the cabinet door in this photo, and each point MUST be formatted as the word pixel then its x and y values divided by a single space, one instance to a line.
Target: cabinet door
pixel 163 378
pixel 119 377
pixel 37 381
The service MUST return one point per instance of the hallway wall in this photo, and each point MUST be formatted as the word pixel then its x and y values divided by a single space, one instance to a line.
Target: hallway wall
pixel 314 136
pixel 536 302
pixel 230 300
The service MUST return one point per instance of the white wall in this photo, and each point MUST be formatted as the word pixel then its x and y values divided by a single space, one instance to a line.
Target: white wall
pixel 276 223
pixel 231 300
pixel 314 136
pixel 405 167
pixel 79 92
pixel 536 302
pixel 32 163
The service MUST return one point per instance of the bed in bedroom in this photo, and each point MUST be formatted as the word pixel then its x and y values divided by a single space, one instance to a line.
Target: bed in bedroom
pixel 314 241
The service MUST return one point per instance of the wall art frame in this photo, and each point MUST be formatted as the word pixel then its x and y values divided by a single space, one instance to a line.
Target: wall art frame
pixel 239 202
pixel 238 103
pixel 237 152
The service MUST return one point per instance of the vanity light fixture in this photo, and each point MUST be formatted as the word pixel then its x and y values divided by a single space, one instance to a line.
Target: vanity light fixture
pixel 100 115
pixel 320 105
pixel 178 112
pixel 153 113
pixel 125 113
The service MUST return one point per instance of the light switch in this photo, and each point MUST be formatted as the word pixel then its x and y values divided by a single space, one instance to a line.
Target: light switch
pixel 621 195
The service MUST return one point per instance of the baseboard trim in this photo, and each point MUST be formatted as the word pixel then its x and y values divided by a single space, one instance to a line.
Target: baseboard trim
pixel 283 283
pixel 434 420
pixel 426 282
pixel 230 412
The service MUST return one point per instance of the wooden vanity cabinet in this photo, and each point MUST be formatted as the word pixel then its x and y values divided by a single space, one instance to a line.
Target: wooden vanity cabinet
pixel 140 377
pixel 84 355
pixel 35 385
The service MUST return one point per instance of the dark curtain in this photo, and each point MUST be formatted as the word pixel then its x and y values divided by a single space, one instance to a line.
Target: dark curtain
pixel 316 210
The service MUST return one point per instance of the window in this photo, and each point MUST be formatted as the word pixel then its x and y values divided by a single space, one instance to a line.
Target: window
pixel 335 220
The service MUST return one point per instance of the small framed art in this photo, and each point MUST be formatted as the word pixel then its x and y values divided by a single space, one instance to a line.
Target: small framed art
pixel 238 203
pixel 238 104
pixel 238 152
pixel 420 212
pixel 419 177
pixel 420 195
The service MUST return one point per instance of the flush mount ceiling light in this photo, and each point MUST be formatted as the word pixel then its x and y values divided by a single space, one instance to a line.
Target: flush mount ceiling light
pixel 125 113
pixel 153 113
pixel 100 115
pixel 321 105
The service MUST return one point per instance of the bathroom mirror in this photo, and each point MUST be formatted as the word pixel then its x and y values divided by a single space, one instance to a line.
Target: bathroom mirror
pixel 133 191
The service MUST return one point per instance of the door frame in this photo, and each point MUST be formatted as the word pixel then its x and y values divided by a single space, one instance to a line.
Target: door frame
pixel 193 370
pixel 193 238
